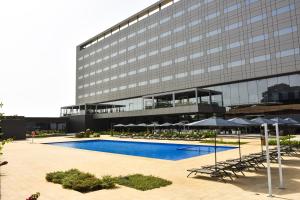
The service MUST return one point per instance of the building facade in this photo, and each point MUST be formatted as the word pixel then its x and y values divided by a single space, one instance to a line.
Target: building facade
pixel 191 52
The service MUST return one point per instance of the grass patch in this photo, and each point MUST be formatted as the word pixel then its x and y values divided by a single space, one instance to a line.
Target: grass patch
pixel 141 182
pixel 79 181
pixel 222 142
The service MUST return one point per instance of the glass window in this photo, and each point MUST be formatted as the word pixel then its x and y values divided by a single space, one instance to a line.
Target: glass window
pixel 165 20
pixel 133 85
pixel 131 35
pixel 232 8
pixel 194 7
pixel 143 83
pixel 142 70
pixel 122 75
pixel 285 31
pixel 181 75
pixel 214 50
pixel 181 28
pixel 142 31
pixel 234 45
pixel 243 93
pixel 236 63
pixel 289 52
pixel 153 81
pixel 260 58
pixel 212 16
pixel 196 55
pixel 195 39
pixel 132 72
pixel 165 34
pixel 142 57
pixel 178 60
pixel 178 14
pixel 252 88
pixel 152 53
pixel 153 39
pixel 122 87
pixel 142 43
pixel 196 72
pixel 258 38
pixel 213 33
pixel 166 63
pixel 234 94
pixel 283 9
pixel 152 67
pixel 166 48
pixel 131 60
pixel 256 18
pixel 152 25
pixel 179 44
pixel 215 68
pixel 167 78
pixel 233 26
pixel 131 47
pixel 248 2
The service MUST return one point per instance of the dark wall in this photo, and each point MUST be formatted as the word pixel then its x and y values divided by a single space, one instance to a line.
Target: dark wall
pixel 78 123
pixel 14 128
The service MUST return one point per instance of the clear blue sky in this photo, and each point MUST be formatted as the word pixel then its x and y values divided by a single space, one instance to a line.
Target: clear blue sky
pixel 37 52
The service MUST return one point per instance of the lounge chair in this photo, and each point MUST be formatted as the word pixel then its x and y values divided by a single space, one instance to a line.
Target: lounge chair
pixel 215 172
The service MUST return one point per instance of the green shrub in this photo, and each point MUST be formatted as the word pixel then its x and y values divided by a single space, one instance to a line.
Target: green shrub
pixel 79 181
pixel 141 182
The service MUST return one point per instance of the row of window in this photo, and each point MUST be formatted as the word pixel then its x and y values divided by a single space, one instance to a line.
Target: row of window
pixel 237 44
pixel 237 63
pixel 231 8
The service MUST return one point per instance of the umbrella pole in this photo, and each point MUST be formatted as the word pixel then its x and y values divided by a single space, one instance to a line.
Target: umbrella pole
pixel 215 151
pixel 239 135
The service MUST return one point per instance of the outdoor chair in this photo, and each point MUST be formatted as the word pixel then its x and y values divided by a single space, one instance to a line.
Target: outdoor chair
pixel 212 172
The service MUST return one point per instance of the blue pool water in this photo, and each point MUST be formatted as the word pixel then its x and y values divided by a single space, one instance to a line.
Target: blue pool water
pixel 145 149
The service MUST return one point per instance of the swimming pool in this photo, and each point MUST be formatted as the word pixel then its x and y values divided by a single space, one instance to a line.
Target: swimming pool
pixel 144 149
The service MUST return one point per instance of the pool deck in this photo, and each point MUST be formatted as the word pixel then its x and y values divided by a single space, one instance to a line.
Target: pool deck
pixel 29 163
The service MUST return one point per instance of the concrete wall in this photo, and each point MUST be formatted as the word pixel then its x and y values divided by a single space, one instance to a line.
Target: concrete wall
pixel 13 128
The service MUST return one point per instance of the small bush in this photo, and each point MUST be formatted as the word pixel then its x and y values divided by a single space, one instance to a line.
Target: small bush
pixel 79 181
pixel 141 182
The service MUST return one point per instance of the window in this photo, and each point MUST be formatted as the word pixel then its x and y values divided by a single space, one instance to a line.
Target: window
pixel 152 25
pixel 132 72
pixel 98 82
pixel 99 92
pixel 106 91
pixel 195 39
pixel 213 33
pixel 122 75
pixel 178 14
pixel 214 50
pixel 258 38
pixel 80 68
pixel 114 66
pixel 208 1
pixel 98 50
pixel 122 51
pixel 114 43
pixel 105 80
pixel 131 35
pixel 142 57
pixel 86 75
pixel 166 49
pixel 179 44
pixel 92 53
pixel 113 55
pixel 178 60
pixel 181 75
pixel 86 65
pixel 142 43
pixel 232 8
pixel 113 78
pixel 87 55
pixel 141 31
pixel 122 87
pixel 196 55
pixel 153 81
pixel 122 63
pixel 236 63
pixel 152 67
pixel 195 22
pixel 289 52
pixel 99 71
pixel 215 68
pixel 142 83
pixel 152 53
pixel 260 58
pixel 181 28
pixel 196 72
pixel 212 16
pixel 92 83
pixel 165 20
pixel 283 9
pixel 248 2
pixel 99 60
pixel 113 89
pixel 234 45
pixel 92 94
pixel 122 39
pixel 80 77
pixel 285 31
pixel 92 73
pixel 233 26
pixel 194 7
pixel 81 58
pixel 256 18
pixel 133 85
pixel 106 46
pixel 131 47
pixel 167 78
pixel 106 58
pixel 105 69
pixel 131 60
pixel 165 34
pixel 86 85
pixel 153 39
pixel 142 70
pixel 166 63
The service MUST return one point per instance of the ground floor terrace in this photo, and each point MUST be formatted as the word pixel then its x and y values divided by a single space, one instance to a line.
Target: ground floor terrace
pixel 28 164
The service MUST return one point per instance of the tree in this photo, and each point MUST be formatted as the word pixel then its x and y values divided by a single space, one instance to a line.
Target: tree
pixel 2 142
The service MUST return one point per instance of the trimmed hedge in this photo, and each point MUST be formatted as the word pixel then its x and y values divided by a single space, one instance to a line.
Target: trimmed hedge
pixel 79 181
pixel 141 182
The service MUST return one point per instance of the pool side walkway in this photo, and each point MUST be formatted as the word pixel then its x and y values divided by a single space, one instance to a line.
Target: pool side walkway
pixel 29 163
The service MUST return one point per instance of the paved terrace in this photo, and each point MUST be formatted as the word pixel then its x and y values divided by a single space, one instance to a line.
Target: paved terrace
pixel 29 163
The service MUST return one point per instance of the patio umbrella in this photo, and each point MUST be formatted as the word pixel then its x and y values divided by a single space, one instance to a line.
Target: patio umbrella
pixel 166 124
pixel 119 125
pixel 291 121
pixel 130 125
pixel 260 121
pixel 179 124
pixel 244 122
pixel 142 125
pixel 214 122
pixel 280 121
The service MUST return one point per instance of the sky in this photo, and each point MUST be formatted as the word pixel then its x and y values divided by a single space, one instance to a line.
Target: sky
pixel 38 42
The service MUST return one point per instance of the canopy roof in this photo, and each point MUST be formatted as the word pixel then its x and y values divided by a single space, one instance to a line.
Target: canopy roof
pixel 215 122
pixel 260 120
pixel 243 121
